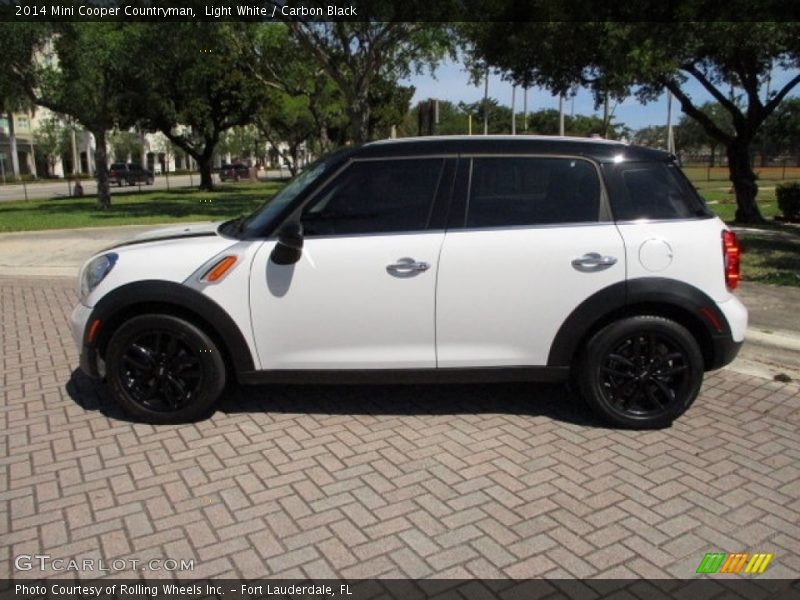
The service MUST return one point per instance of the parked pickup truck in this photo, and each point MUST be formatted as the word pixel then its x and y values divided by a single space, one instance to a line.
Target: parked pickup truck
pixel 129 174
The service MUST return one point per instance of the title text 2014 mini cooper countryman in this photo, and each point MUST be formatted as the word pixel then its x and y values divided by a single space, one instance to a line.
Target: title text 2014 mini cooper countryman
pixel 430 259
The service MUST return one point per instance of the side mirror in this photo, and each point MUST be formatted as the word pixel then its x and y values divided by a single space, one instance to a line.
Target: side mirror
pixel 289 247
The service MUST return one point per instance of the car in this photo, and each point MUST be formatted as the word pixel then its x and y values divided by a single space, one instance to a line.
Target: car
pixel 451 259
pixel 234 172
pixel 129 173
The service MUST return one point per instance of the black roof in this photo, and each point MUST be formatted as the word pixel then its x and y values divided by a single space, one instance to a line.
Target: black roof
pixel 596 149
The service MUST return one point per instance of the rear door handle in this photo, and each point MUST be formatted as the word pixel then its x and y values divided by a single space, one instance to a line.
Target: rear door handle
pixel 404 267
pixel 593 261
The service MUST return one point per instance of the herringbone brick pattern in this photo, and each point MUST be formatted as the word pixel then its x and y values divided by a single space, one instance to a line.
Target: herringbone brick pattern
pixel 424 481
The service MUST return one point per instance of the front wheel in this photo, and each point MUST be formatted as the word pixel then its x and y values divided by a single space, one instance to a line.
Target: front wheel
pixel 640 372
pixel 162 369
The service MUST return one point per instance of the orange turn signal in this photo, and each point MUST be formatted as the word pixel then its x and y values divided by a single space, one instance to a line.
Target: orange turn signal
pixel 219 269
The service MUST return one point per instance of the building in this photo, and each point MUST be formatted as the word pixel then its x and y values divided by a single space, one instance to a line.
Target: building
pixel 16 146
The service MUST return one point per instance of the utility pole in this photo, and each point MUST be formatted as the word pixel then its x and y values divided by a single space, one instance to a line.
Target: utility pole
pixel 514 109
pixel 525 109
pixel 486 103
pixel 561 115
pixel 670 134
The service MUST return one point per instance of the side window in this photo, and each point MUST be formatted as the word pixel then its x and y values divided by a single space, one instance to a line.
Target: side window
pixel 653 190
pixel 381 196
pixel 532 191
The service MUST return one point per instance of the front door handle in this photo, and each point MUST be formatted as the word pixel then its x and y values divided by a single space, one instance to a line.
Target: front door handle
pixel 593 261
pixel 405 267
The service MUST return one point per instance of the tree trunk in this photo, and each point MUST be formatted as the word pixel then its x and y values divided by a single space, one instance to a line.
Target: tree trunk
pixel 294 163
pixel 359 119
pixel 206 180
pixel 744 183
pixel 713 158
pixel 101 164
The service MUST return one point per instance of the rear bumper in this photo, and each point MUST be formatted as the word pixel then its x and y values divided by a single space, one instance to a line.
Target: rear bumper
pixel 727 345
pixel 725 350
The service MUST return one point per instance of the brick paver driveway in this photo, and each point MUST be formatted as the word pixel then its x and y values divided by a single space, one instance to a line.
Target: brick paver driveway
pixel 423 481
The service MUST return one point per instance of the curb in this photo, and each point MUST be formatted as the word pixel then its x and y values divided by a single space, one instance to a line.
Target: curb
pixel 786 340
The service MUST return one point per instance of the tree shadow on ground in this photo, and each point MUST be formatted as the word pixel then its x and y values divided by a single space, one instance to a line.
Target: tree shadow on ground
pixel 524 399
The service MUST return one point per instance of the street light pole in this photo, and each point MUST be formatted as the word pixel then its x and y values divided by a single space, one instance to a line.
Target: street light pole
pixel 670 134
pixel 514 110
pixel 486 103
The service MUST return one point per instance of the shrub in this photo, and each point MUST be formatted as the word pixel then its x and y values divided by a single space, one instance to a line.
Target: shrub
pixel 788 196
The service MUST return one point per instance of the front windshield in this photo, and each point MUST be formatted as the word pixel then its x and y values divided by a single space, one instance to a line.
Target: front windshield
pixel 271 209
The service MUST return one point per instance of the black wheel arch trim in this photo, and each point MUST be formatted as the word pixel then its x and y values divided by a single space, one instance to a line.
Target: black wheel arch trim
pixel 184 300
pixel 653 291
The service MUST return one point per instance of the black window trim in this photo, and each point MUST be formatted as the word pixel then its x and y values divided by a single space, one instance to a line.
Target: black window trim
pixel 604 217
pixel 443 188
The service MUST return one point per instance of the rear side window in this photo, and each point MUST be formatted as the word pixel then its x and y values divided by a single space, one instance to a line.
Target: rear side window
pixel 376 196
pixel 653 190
pixel 507 192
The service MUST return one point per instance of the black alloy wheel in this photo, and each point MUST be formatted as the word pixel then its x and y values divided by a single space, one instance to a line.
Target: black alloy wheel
pixel 641 372
pixel 162 369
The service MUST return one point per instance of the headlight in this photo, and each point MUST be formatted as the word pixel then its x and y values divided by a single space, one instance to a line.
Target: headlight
pixel 95 271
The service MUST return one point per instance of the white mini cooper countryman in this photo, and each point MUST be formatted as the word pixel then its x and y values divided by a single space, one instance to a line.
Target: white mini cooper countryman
pixel 455 259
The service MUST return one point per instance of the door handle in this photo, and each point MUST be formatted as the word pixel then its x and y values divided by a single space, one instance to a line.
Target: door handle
pixel 593 261
pixel 406 266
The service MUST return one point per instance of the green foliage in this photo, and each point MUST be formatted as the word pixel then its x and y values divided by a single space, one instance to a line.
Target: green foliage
pixel 200 91
pixel 358 55
pixel 789 200
pixel 52 139
pixel 617 54
pixel 454 120
pixel 125 143
pixel 783 128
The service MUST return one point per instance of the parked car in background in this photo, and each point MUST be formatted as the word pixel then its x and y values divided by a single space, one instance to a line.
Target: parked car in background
pixel 453 259
pixel 129 174
pixel 234 172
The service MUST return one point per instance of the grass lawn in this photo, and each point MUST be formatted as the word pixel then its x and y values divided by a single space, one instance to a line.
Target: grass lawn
pixel 137 208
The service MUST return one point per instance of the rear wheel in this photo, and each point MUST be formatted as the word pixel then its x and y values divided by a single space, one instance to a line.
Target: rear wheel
pixel 641 372
pixel 162 369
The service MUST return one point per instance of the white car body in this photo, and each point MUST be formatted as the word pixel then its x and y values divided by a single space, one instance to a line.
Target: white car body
pixel 481 298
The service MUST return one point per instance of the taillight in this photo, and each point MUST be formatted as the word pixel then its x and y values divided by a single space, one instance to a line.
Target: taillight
pixel 730 258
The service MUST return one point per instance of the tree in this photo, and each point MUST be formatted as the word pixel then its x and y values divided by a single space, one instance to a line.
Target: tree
pixel 74 69
pixel 278 61
pixel 124 144
pixel 618 57
pixel 18 43
pixel 784 128
pixel 240 142
pixel 52 138
pixel 288 125
pixel 359 55
pixel 691 135
pixel 199 92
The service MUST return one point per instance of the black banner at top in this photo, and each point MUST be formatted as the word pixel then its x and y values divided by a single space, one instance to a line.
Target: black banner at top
pixel 397 10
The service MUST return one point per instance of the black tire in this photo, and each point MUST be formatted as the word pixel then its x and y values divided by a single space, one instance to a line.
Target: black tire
pixel 149 181
pixel 162 369
pixel 640 372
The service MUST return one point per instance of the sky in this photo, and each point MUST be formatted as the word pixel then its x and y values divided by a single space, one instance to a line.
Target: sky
pixel 451 82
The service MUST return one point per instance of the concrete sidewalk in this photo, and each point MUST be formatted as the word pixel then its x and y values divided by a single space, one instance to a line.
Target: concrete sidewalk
pixel 60 252
pixel 773 339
